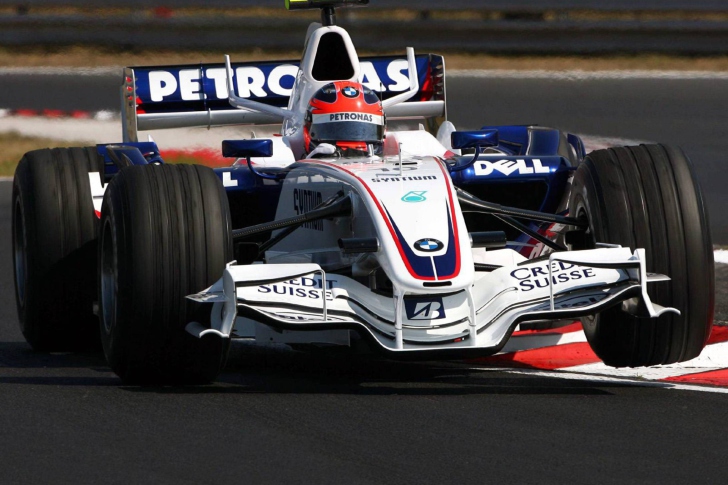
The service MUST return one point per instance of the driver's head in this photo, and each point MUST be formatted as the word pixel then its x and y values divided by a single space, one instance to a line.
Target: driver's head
pixel 347 115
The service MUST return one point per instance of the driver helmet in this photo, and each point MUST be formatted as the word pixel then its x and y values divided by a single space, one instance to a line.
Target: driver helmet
pixel 347 115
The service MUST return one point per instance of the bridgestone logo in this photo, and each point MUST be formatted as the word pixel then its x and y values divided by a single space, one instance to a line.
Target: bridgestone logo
pixel 342 117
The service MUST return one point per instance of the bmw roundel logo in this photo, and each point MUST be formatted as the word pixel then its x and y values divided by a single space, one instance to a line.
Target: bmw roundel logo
pixel 428 245
pixel 350 92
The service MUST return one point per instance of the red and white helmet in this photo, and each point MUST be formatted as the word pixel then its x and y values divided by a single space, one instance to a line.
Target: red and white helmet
pixel 347 115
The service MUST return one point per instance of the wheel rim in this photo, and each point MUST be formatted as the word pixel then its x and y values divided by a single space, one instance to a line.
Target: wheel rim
pixel 19 251
pixel 108 277
pixel 589 242
pixel 581 213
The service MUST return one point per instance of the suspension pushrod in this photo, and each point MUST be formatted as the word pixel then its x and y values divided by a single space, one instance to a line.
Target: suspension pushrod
pixel 522 228
pixel 340 208
pixel 530 232
pixel 497 209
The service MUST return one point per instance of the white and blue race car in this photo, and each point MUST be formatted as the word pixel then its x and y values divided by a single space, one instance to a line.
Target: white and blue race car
pixel 423 241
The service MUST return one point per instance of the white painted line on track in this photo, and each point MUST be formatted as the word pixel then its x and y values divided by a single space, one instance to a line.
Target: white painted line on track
pixel 648 373
pixel 713 357
pixel 606 379
pixel 60 71
pixel 579 75
pixel 721 256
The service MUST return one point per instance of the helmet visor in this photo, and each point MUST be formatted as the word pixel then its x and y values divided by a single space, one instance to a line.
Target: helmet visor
pixel 347 127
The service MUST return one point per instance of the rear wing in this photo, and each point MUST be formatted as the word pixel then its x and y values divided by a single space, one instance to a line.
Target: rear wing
pixel 162 97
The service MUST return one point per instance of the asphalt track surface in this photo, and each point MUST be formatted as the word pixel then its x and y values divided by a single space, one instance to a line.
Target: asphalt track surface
pixel 282 417
pixel 277 417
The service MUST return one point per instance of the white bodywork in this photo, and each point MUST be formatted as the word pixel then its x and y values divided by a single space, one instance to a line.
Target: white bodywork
pixel 437 300
pixel 310 291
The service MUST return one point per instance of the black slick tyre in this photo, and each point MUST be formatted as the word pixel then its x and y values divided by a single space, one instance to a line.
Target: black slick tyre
pixel 54 248
pixel 647 197
pixel 165 234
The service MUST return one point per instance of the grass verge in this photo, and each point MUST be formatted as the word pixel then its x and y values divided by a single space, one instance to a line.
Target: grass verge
pixel 15 145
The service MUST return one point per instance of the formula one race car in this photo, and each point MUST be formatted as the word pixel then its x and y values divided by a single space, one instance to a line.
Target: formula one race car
pixel 369 218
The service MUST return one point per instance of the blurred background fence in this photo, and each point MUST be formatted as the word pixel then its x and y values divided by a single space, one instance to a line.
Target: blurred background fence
pixel 698 27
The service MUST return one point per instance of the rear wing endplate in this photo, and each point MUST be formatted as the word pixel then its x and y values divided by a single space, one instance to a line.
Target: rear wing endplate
pixel 161 97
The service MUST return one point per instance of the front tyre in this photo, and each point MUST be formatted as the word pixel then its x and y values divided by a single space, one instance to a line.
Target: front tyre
pixel 165 234
pixel 647 197
pixel 54 248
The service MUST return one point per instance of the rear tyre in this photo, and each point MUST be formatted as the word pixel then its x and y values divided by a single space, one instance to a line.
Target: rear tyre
pixel 165 234
pixel 54 248
pixel 647 197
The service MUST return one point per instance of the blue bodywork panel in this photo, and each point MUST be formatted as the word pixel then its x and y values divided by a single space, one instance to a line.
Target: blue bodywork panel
pixel 536 157
pixel 258 147
pixel 534 140
pixel 253 199
pixel 533 174
pixel 138 153
pixel 473 139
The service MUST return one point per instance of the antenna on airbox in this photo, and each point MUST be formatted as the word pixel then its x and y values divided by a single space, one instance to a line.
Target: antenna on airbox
pixel 328 16
pixel 328 7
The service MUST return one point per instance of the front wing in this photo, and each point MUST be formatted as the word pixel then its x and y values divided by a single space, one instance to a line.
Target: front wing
pixel 480 318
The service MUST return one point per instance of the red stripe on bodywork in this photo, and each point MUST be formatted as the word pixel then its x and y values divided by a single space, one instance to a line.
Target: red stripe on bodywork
pixel 710 378
pixel 456 272
pixel 391 229
pixel 546 358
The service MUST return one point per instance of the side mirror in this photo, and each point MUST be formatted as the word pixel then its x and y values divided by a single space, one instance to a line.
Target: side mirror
pixel 247 148
pixel 474 139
